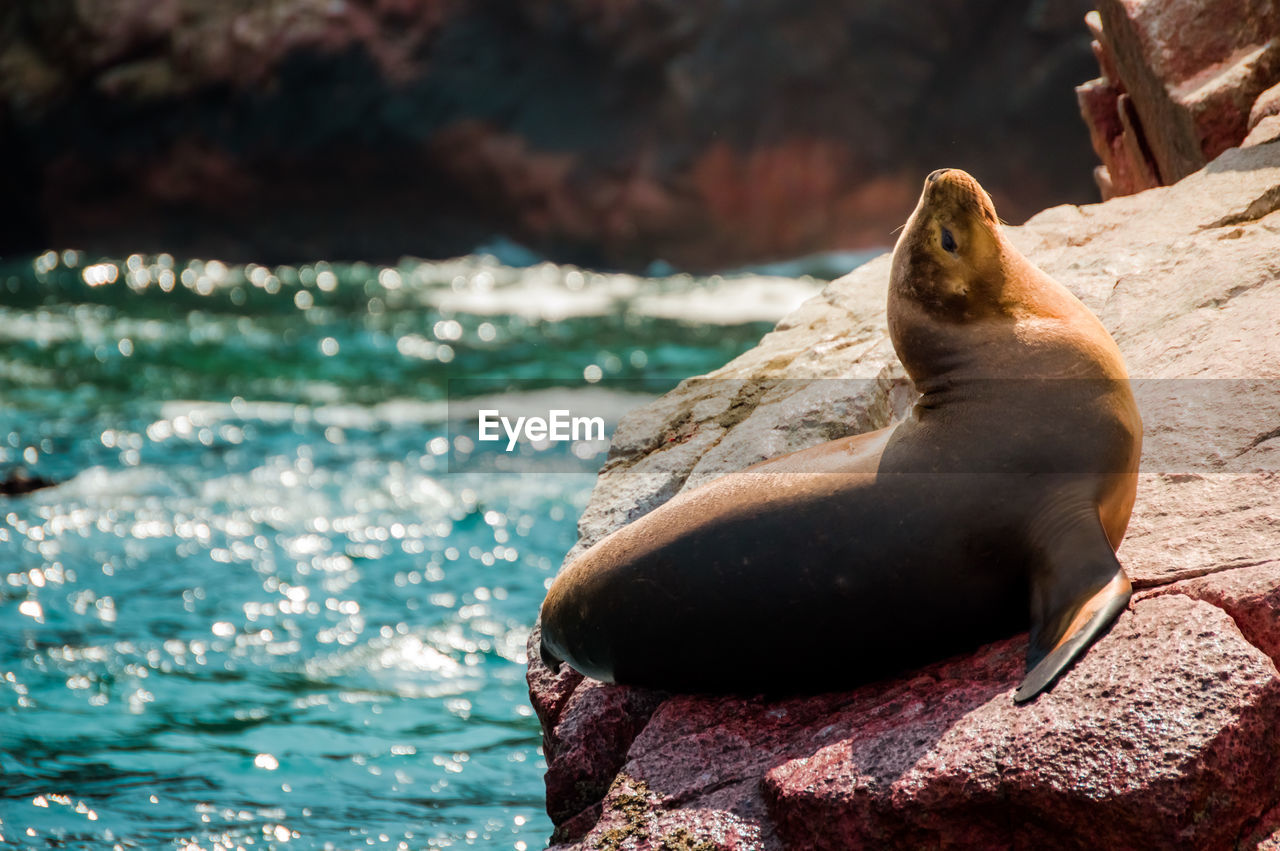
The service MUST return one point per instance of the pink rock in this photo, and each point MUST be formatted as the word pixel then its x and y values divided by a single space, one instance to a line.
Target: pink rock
pixel 1250 595
pixel 1158 733
pixel 1114 130
pixel 1266 130
pixel 1265 835
pixel 548 690
pixel 1264 118
pixel 1193 69
pixel 634 819
pixel 1266 106
pixel 588 742
pixel 1117 140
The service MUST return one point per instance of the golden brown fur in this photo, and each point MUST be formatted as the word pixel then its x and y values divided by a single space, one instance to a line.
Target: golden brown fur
pixel 1010 484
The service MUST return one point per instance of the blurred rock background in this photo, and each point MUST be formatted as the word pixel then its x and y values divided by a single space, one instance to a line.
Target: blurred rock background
pixel 704 133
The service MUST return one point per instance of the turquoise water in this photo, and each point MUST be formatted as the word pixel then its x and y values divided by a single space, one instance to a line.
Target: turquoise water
pixel 259 611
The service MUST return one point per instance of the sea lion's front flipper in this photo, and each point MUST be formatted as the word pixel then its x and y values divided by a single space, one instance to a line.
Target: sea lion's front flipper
pixel 1076 594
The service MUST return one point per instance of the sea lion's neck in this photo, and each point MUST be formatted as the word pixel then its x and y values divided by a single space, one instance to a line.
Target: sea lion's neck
pixel 942 349
pixel 1005 349
pixel 1026 326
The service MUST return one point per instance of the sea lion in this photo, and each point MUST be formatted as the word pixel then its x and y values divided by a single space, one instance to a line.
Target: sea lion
pixel 997 505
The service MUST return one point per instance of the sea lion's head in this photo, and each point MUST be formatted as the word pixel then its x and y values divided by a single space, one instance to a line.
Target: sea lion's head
pixel 955 280
pixel 948 259
pixel 961 296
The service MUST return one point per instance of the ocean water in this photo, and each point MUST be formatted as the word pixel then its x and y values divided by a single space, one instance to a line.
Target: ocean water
pixel 260 610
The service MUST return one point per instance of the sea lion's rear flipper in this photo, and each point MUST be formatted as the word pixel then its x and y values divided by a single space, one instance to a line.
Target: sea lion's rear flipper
pixel 1076 595
pixel 548 656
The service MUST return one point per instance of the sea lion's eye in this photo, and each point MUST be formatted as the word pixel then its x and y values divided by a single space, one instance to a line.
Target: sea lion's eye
pixel 948 241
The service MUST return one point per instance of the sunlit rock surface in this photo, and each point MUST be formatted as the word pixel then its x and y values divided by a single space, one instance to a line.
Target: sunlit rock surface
pixel 703 133
pixel 1167 734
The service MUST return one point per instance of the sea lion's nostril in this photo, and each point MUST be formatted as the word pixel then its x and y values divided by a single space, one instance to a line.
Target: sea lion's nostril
pixel 934 175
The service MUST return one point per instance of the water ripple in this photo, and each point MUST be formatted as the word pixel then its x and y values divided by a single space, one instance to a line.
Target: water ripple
pixel 259 611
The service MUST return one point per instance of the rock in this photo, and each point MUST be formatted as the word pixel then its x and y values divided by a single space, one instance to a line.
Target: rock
pixel 1166 733
pixel 1113 130
pixel 1264 118
pixel 703 133
pixel 1165 730
pixel 1179 80
pixel 1266 106
pixel 1250 595
pixel 583 771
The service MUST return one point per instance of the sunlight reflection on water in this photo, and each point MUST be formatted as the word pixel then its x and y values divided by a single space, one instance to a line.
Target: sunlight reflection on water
pixel 259 611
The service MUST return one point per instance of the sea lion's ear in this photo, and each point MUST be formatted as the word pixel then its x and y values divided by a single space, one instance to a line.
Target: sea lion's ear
pixel 1076 593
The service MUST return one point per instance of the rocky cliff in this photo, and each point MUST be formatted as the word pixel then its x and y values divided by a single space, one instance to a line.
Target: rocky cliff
pixel 702 132
pixel 1181 81
pixel 1167 734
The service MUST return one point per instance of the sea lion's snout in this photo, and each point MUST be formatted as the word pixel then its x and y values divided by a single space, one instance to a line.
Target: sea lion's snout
pixel 956 189
pixel 948 181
